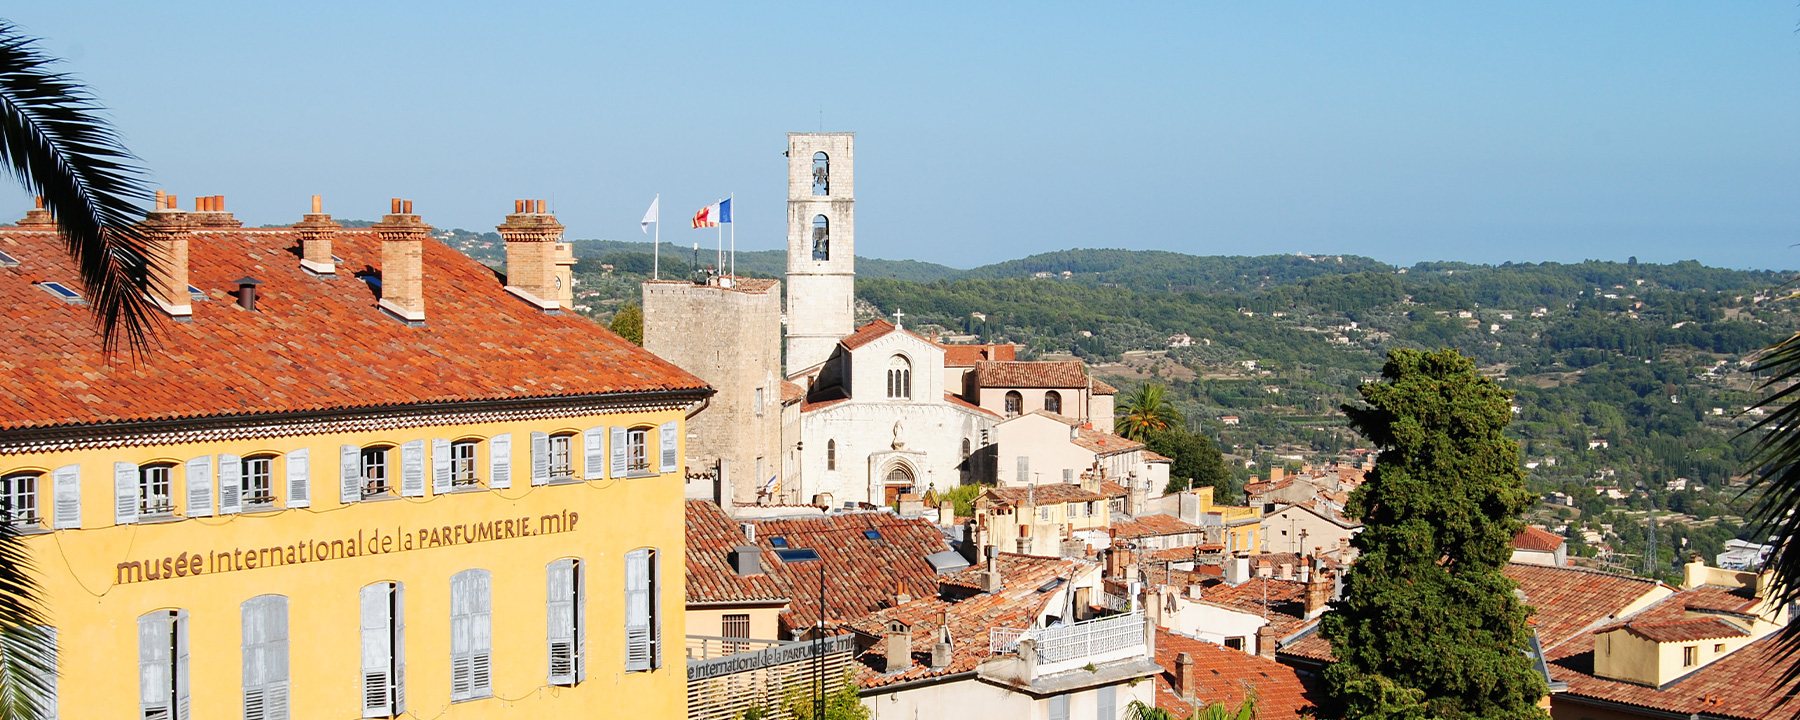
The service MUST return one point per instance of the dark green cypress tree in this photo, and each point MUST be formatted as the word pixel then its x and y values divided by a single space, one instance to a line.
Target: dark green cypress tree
pixel 1428 625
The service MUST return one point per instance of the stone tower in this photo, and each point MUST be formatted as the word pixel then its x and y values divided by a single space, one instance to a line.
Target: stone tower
pixel 821 272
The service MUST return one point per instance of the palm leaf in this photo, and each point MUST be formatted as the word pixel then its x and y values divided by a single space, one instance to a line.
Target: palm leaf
pixel 54 140
pixel 27 653
pixel 1775 465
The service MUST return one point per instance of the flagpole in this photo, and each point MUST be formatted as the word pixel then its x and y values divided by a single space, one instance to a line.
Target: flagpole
pixel 721 227
pixel 733 197
pixel 656 247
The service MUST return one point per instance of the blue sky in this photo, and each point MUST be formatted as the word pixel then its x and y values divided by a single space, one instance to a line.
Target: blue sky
pixel 1401 131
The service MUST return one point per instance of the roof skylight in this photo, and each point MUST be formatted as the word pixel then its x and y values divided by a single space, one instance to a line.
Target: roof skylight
pixel 798 555
pixel 8 260
pixel 62 292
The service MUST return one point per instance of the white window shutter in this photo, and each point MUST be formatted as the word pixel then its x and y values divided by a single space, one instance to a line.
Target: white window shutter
pixel 155 685
pixel 231 484
pixel 580 616
pixel 618 452
pixel 377 652
pixel 540 458
pixel 47 710
pixel 593 453
pixel 182 702
pixel 299 478
pixel 481 646
pixel 1024 470
pixel 637 610
pixel 655 593
pixel 125 493
pixel 461 634
pixel 561 608
pixel 669 438
pixel 399 645
pixel 349 474
pixel 440 466
pixel 500 461
pixel 265 654
pixel 412 468
pixel 66 482
pixel 199 472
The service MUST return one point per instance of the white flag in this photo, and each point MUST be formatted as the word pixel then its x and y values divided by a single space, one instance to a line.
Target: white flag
pixel 651 215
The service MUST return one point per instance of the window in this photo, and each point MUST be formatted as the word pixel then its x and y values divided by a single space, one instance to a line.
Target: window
pixel 1053 402
pixel 1024 470
pixel 872 534
pixel 821 174
pixel 1068 475
pixel 643 624
pixel 797 555
pixel 1718 648
pixel 736 627
pixel 375 470
pixel 637 450
pixel 1690 655
pixel 462 463
pixel 778 542
pixel 163 665
pixel 265 649
pixel 471 635
pixel 259 480
pixel 561 466
pixel 63 293
pixel 568 623
pixel 1015 403
pixel 154 490
pixel 1106 703
pixel 759 401
pixel 21 494
pixel 1059 707
pixel 899 377
pixel 966 447
pixel 1044 513
pixel 383 649
pixel 1235 643
pixel 830 454
pixel 821 238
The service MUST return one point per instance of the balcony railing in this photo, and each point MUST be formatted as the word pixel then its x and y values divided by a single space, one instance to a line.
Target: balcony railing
pixel 1075 640
pixel 702 647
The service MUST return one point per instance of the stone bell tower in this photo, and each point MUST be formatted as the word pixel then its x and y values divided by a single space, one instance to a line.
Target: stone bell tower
pixel 821 272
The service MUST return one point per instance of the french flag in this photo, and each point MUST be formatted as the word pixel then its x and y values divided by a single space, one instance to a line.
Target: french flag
pixel 713 215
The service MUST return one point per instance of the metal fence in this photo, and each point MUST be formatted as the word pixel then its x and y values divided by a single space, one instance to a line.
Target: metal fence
pixel 701 647
pixel 728 687
pixel 1005 640
pixel 1088 638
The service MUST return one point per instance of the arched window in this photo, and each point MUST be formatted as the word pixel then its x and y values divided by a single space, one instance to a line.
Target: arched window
pixel 1015 403
pixel 821 174
pixel 899 377
pixel 821 238
pixel 966 447
pixel 1053 402
pixel 830 454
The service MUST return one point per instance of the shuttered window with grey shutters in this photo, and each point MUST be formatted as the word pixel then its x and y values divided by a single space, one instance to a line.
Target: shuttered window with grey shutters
pixel 1024 470
pixel 440 466
pixel 1107 703
pixel 231 484
pixel 593 453
pixel 471 635
pixel 162 665
pixel 66 489
pixel 383 650
pixel 349 474
pixel 299 479
pixel 125 493
pixel 669 438
pixel 412 468
pixel 265 650
pixel 198 474
pixel 643 624
pixel 500 461
pixel 567 630
pixel 1059 707
pixel 540 458
pixel 618 452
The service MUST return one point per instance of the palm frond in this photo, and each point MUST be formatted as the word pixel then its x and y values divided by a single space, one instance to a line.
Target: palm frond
pixel 1775 470
pixel 27 652
pixel 54 140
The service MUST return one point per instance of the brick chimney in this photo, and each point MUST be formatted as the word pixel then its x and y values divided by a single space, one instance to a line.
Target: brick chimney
pixel 1185 683
pixel 1318 594
pixel 539 265
pixel 403 262
pixel 316 231
pixel 169 230
pixel 942 650
pixel 1024 541
pixel 1287 571
pixel 899 646
pixel 37 216
pixel 209 211
pixel 1266 639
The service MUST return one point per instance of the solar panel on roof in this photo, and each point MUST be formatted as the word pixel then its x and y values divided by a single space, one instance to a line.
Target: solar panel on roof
pixel 8 260
pixel 797 555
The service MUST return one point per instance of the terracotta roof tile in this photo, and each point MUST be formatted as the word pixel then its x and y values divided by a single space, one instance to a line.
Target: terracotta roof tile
pixel 1745 684
pixel 1114 490
pixel 968 355
pixel 791 392
pixel 1150 526
pixel 314 343
pixel 1227 676
pixel 966 405
pixel 870 333
pixel 1032 374
pixel 1047 494
pixel 1101 388
pixel 862 574
pixel 1536 538
pixel 1571 601
pixel 711 535
pixel 1680 630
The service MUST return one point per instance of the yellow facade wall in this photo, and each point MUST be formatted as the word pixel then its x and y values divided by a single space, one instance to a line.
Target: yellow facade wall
pixel 600 520
pixel 765 621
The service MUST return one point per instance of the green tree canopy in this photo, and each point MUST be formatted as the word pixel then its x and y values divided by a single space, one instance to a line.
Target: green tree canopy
pixel 1428 625
pixel 628 322
pixel 1197 461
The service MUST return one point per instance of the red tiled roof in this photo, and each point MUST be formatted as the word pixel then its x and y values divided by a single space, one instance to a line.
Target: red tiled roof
pixel 1536 538
pixel 1571 601
pixel 1284 600
pixel 966 405
pixel 314 343
pixel 1113 490
pixel 1151 525
pixel 1016 605
pixel 710 578
pixel 861 574
pixel 1047 494
pixel 1032 374
pixel 968 355
pixel 1101 443
pixel 791 392
pixel 1153 456
pixel 1679 630
pixel 870 333
pixel 1101 388
pixel 1185 553
pixel 1227 676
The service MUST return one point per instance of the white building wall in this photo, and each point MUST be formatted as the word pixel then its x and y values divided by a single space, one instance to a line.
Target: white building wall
pixel 820 293
pixel 1045 444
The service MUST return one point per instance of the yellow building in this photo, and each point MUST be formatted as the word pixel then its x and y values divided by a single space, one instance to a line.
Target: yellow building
pixel 359 475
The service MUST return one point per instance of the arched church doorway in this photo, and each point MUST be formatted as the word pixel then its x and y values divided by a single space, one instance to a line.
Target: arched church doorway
pixel 899 481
